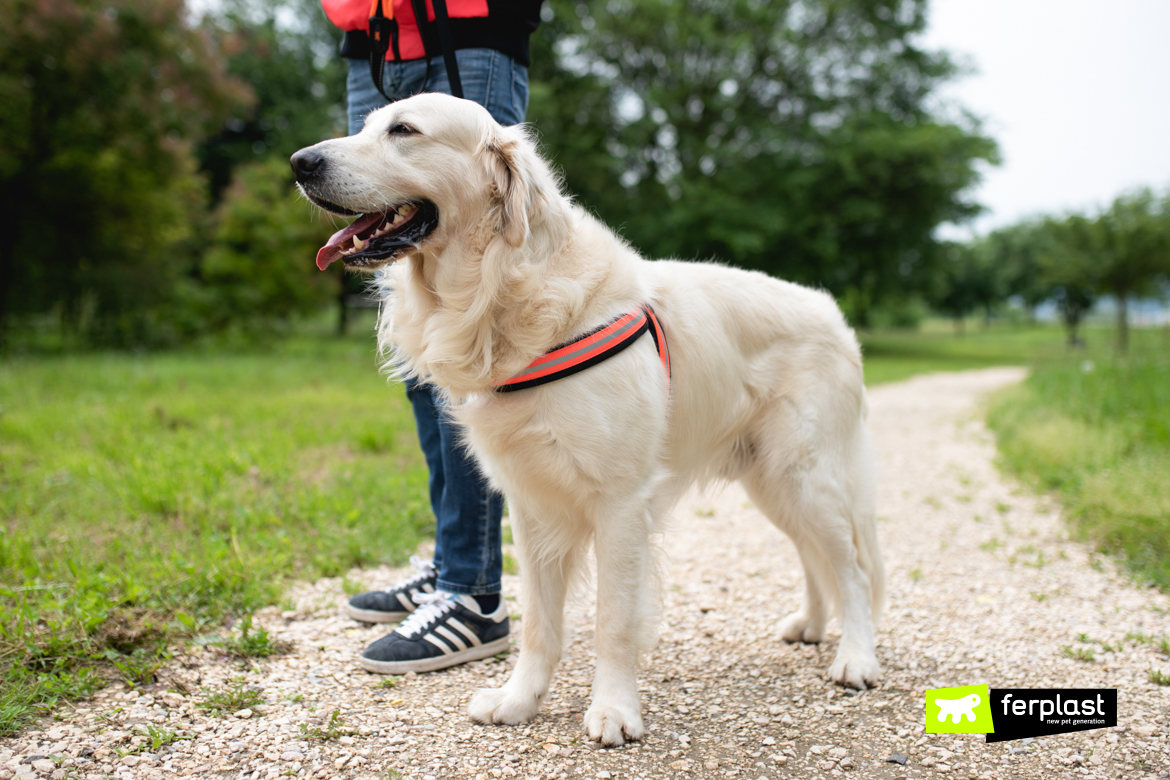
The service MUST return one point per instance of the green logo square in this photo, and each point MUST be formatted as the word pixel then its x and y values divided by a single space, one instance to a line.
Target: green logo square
pixel 963 710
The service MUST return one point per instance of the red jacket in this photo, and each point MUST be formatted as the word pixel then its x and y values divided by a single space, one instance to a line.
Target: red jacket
pixel 503 25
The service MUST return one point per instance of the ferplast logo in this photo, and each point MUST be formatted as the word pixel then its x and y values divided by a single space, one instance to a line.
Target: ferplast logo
pixel 962 710
pixel 1015 713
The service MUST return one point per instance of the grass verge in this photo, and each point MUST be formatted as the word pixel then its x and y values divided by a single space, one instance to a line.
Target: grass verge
pixel 895 355
pixel 143 498
pixel 1095 428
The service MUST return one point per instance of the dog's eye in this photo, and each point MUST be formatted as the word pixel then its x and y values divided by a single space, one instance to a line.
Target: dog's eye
pixel 402 129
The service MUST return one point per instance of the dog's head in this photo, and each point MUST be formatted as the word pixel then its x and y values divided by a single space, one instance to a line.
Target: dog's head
pixel 422 171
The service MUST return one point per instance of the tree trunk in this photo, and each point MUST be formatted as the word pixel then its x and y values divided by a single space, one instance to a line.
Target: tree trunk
pixel 1073 321
pixel 8 239
pixel 1122 322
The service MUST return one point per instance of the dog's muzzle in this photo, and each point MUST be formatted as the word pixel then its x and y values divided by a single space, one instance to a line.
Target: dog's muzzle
pixel 376 237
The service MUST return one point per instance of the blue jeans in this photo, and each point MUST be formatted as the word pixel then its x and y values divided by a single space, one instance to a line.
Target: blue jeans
pixel 467 511
pixel 490 78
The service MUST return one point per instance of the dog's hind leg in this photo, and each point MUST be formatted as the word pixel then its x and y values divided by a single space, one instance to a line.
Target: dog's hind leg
pixel 543 586
pixel 625 625
pixel 822 504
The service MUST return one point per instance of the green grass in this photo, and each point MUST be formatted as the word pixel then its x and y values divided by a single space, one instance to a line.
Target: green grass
pixel 237 696
pixel 1095 428
pixel 334 728
pixel 896 355
pixel 252 642
pixel 142 498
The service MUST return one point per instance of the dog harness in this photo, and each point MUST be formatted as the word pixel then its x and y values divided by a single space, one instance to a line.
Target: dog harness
pixel 590 349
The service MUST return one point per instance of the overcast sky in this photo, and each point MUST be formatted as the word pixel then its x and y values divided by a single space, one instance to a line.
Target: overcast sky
pixel 1076 92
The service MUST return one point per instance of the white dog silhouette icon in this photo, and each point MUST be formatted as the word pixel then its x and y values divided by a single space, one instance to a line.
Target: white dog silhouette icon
pixel 957 709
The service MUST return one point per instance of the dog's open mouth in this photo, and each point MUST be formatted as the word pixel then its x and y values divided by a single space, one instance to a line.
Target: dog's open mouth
pixel 375 239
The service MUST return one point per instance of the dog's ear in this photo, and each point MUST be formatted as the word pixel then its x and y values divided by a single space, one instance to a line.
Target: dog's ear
pixel 514 171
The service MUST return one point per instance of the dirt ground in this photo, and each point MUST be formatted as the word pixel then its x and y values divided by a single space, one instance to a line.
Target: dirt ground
pixel 985 587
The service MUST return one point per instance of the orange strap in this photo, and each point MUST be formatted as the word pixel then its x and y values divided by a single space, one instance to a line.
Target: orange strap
pixel 590 349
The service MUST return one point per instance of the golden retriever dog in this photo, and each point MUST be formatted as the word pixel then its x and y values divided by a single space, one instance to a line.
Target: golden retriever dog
pixel 486 266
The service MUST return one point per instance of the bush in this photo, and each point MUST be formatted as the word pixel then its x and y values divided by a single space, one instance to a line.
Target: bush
pixel 258 273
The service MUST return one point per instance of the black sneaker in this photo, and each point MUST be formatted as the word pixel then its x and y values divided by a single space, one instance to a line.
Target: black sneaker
pixel 446 629
pixel 394 604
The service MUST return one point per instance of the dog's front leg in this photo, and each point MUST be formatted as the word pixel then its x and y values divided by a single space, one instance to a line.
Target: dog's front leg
pixel 543 586
pixel 624 627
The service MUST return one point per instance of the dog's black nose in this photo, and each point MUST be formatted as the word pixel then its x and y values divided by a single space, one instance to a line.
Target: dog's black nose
pixel 305 163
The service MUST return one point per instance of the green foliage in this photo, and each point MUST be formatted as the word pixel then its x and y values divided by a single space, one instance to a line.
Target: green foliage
pixel 789 137
pixel 107 147
pixel 1132 239
pixel 159 737
pixel 1069 262
pixel 142 499
pixel 26 694
pixel 968 277
pixel 286 51
pixel 1098 433
pixel 1084 654
pixel 257 271
pixel 254 643
pixel 1072 259
pixel 334 728
pixel 237 696
pixel 97 179
pixel 139 666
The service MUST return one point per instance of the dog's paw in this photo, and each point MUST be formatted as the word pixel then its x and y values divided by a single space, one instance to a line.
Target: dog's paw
pixel 799 627
pixel 612 726
pixel 501 705
pixel 855 670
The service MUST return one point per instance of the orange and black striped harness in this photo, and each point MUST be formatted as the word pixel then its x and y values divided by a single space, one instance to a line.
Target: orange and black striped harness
pixel 590 349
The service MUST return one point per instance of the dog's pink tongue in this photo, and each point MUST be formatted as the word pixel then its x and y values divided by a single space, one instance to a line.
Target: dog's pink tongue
pixel 332 249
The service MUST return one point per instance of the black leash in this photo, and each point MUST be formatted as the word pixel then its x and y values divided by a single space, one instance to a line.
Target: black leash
pixel 384 35
pixel 447 44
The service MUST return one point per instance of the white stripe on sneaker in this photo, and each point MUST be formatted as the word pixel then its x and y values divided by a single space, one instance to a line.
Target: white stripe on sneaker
pixel 451 637
pixel 456 624
pixel 405 601
pixel 441 645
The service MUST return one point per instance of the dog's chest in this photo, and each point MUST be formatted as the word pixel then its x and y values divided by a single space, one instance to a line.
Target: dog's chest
pixel 565 438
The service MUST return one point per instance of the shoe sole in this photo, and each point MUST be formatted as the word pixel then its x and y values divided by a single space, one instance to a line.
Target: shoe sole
pixel 374 615
pixel 494 647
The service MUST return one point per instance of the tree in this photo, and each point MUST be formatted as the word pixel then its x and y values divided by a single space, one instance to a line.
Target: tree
pixel 961 284
pixel 792 137
pixel 1016 250
pixel 1070 263
pixel 286 51
pixel 1132 241
pixel 257 273
pixel 97 181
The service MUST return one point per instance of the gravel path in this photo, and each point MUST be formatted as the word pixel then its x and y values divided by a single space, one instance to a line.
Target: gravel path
pixel 984 587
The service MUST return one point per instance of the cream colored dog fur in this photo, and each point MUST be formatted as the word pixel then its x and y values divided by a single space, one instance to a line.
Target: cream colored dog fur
pixel 767 389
